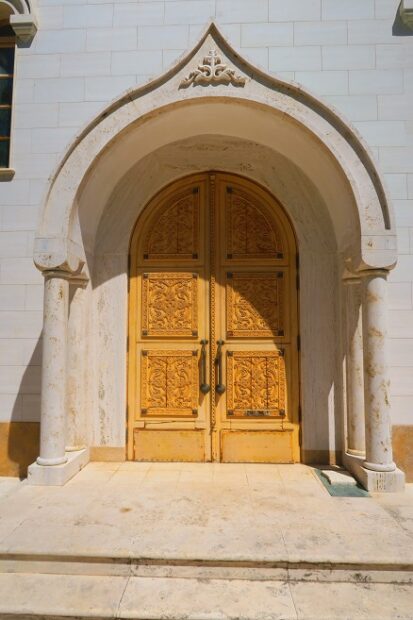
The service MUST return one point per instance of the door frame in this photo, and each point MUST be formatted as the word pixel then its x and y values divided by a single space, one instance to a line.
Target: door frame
pixel 288 227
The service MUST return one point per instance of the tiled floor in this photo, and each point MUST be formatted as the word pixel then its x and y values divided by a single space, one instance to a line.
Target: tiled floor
pixel 204 511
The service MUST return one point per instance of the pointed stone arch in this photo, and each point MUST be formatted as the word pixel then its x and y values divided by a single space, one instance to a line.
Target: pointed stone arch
pixel 188 85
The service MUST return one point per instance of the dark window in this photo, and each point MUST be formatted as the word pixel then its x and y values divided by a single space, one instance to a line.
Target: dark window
pixel 6 92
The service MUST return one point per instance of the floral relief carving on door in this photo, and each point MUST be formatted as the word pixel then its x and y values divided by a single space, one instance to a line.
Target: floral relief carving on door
pixel 255 304
pixel 250 233
pixel 256 380
pixel 175 232
pixel 170 304
pixel 169 383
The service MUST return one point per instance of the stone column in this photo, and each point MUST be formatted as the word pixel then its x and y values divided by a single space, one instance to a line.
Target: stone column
pixel 76 366
pixel 53 398
pixel 356 443
pixel 379 453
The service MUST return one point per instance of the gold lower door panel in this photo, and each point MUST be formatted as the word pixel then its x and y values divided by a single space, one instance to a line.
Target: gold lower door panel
pixel 257 446
pixel 169 445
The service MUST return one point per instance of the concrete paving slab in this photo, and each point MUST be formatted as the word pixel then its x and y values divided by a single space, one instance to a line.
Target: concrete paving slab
pixel 60 595
pixel 349 601
pixel 192 599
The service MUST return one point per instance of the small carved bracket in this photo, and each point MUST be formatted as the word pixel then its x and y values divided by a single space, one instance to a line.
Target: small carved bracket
pixel 212 71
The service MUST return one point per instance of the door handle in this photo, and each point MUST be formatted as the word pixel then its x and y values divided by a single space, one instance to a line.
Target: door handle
pixel 204 387
pixel 220 387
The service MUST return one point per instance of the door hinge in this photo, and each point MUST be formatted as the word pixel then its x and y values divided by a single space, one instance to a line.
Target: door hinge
pixel 297 261
pixel 298 342
pixel 297 281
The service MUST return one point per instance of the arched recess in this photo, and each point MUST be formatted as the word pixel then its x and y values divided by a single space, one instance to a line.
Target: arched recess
pixel 197 117
pixel 21 16
pixel 107 264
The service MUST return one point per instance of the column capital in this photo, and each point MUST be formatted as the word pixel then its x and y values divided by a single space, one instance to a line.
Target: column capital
pixel 76 279
pixel 351 278
pixel 79 279
pixel 58 254
pixel 373 273
pixel 63 274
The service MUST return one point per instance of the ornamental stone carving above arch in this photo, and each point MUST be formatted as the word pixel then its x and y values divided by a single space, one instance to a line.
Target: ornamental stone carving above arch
pixel 212 71
pixel 276 114
pixel 22 18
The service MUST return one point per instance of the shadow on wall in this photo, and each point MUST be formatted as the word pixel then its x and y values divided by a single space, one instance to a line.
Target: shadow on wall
pixel 19 439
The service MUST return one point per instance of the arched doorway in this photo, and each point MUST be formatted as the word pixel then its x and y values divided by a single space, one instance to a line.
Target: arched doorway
pixel 286 141
pixel 213 359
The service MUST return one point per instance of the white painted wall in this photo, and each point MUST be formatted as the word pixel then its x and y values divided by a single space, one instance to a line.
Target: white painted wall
pixel 85 54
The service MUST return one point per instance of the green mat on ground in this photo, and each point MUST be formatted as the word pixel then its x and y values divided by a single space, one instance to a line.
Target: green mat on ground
pixel 342 490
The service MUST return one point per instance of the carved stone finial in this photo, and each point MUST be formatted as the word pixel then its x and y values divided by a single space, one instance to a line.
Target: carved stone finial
pixel 212 71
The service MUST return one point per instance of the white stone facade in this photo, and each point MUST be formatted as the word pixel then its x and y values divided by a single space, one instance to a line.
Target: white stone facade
pixel 355 55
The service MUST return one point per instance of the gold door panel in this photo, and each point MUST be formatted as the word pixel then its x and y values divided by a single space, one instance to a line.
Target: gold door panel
pixel 257 447
pixel 175 232
pixel 170 304
pixel 256 385
pixel 250 230
pixel 169 383
pixel 255 303
pixel 213 360
pixel 169 445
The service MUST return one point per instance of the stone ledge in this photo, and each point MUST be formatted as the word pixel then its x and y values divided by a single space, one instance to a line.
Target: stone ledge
pixel 58 596
pixel 6 174
pixel 406 12
pixel 156 568
pixel 24 26
pixel 58 475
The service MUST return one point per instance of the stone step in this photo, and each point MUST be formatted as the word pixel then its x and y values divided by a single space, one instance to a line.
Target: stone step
pixel 154 598
pixel 182 568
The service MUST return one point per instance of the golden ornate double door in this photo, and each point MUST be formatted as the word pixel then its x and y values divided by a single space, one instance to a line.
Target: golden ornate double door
pixel 213 361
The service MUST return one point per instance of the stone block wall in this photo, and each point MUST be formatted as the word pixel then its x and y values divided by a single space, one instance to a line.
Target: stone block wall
pixel 356 54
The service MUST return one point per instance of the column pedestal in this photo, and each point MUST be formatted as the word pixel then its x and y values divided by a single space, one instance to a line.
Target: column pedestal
pixel 58 475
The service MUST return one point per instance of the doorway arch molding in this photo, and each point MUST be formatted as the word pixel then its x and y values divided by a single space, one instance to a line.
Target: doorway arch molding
pixel 282 115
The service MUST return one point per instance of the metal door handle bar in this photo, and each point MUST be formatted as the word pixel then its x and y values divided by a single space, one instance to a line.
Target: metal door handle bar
pixel 220 387
pixel 204 387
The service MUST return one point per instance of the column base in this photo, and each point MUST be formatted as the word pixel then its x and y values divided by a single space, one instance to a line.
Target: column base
pixel 378 467
pixel 360 453
pixel 58 475
pixel 75 448
pixel 375 481
pixel 51 462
